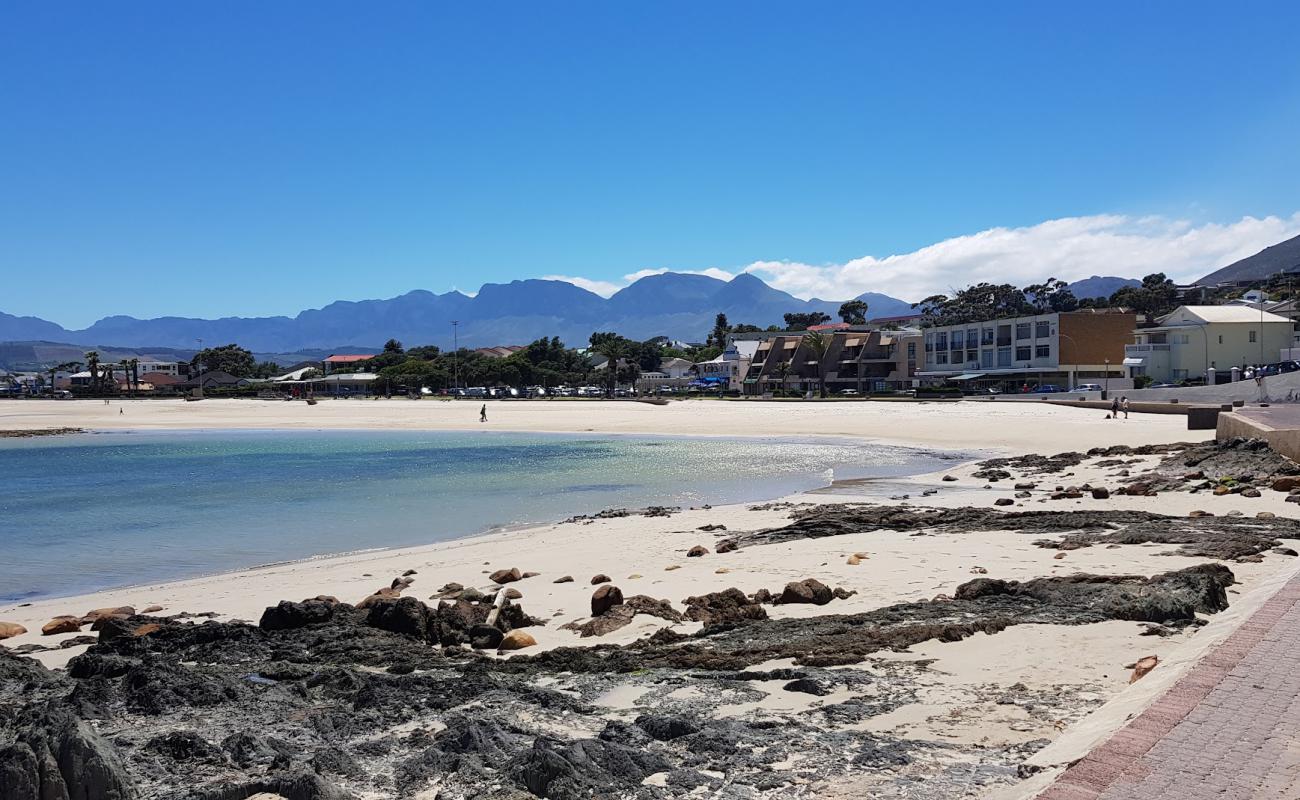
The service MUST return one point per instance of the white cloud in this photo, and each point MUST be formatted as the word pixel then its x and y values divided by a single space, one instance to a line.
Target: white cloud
pixel 607 288
pixel 602 288
pixel 1069 249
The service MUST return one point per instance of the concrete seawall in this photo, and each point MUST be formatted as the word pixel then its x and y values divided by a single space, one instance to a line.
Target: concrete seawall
pixel 1277 425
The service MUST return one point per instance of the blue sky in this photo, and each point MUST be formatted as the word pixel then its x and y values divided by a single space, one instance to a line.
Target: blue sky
pixel 250 158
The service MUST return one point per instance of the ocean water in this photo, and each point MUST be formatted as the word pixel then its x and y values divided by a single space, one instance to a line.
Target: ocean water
pixel 93 511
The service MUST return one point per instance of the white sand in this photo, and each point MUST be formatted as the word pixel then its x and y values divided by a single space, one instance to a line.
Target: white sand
pixel 637 552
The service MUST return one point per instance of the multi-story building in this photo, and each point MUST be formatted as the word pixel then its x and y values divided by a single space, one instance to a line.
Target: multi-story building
pixel 1059 348
pixel 731 366
pixel 1190 341
pixel 858 358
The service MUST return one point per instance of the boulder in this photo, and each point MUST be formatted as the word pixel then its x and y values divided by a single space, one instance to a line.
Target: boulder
pixel 697 551
pixel 1100 493
pixel 383 595
pixel 1286 484
pixel 156 609
pixel 9 630
pixel 599 579
pixel 404 615
pixel 1196 513
pixel 62 624
pixel 725 546
pixel 485 637
pixel 950 477
pixel 1142 667
pixel 666 728
pixel 115 611
pixel 514 594
pixel 52 755
pixel 506 575
pixel 1266 515
pixel 605 598
pixel 517 640
pixel 808 590
pixel 1250 491
pixel 729 605
pixel 288 615
pixel 1004 501
pixel 529 575
pixel 808 686
pixel 563 579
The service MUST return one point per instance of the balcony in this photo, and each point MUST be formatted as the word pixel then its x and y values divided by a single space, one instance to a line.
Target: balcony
pixel 1139 349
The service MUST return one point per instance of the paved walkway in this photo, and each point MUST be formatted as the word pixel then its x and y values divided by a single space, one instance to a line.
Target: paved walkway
pixel 1229 729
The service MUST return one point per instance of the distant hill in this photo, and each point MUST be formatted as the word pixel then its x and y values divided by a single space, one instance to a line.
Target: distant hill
pixel 1281 257
pixel 28 356
pixel 1098 286
pixel 673 304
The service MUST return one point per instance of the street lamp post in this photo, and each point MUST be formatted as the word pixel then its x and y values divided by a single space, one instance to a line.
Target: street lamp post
pixel 1106 389
pixel 199 355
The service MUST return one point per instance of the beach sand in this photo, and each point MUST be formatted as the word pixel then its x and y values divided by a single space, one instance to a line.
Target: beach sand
pixel 647 555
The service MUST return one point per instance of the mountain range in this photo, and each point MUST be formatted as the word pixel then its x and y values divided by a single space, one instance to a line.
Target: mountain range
pixel 1281 257
pixel 678 305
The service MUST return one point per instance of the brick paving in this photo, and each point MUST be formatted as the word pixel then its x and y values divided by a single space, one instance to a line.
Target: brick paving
pixel 1229 729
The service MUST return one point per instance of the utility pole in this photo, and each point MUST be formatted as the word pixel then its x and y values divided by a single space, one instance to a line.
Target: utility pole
pixel 199 356
pixel 455 353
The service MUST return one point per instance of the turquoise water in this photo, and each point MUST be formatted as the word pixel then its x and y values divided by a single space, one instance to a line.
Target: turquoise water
pixel 93 511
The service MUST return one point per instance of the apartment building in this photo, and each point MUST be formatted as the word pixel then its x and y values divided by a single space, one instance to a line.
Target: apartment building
pixel 1190 341
pixel 858 358
pixel 1059 348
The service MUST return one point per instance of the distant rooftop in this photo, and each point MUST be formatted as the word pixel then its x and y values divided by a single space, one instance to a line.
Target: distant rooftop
pixel 345 358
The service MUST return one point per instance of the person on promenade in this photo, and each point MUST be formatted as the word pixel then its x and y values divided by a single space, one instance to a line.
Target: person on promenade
pixel 482 413
pixel 1123 405
pixel 1114 408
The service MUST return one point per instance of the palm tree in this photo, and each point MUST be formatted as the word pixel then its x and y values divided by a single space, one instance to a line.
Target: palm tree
pixel 818 343
pixel 135 375
pixel 783 371
pixel 92 363
pixel 66 366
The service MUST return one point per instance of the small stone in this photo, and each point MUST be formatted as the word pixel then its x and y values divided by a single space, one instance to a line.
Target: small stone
pixel 978 571
pixel 1266 515
pixel 725 546
pixel 601 578
pixel 605 598
pixel 1199 513
pixel 1142 667
pixel 1250 491
pixel 409 572
pixel 1059 556
pixel 672 567
pixel 156 609
pixel 1100 493
pixel 505 575
pixel 721 571
pixel 697 551
pixel 529 575
pixel 563 579
pixel 513 594
pixel 1220 491
pixel 1286 484
pixel 9 630
pixel 63 624
pixel 1004 501
pixel 634 576
pixel 517 640
pixel 1026 486
pixel 950 477
pixel 1285 551
pixel 1023 495
pixel 1293 498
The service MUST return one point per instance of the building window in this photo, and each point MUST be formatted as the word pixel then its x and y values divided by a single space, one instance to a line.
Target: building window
pixel 1185 339
pixel 911 351
pixel 1004 335
pixel 986 359
pixel 941 340
pixel 986 338
pixel 958 340
pixel 1043 351
pixel 1252 336
pixel 972 356
pixel 1022 353
pixel 1042 329
pixel 1004 356
pixel 941 357
pixel 1022 330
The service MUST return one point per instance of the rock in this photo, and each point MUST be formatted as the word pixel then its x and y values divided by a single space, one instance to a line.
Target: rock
pixel 1266 515
pixel 1004 501
pixel 808 686
pixel 854 559
pixel 1059 556
pixel 63 624
pixel 950 477
pixel 506 575
pixel 1293 498
pixel 288 615
pixel 697 551
pixel 1025 486
pixel 729 605
pixel 485 637
pixel 1285 551
pixel 1198 475
pixel 409 572
pixel 527 575
pixel 666 728
pixel 978 571
pixel 563 579
pixel 145 629
pixel 598 579
pixel 151 609
pixel 721 571
pixel 672 567
pixel 95 614
pixel 1142 667
pixel 1250 491
pixel 1286 484
pixel 711 527
pixel 725 546
pixel 1197 513
pixel 1023 495
pixel 762 596
pixel 386 593
pixel 1220 491
pixel 514 594
pixel 634 576
pixel 8 630
pixel 1100 493
pixel 517 640
pixel 55 756
pixel 808 590
pixel 605 598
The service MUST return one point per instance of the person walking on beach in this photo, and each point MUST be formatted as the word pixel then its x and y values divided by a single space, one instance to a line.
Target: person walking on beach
pixel 1123 405
pixel 1114 408
pixel 482 413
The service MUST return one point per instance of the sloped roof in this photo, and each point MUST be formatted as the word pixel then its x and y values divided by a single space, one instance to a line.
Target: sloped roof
pixel 1219 314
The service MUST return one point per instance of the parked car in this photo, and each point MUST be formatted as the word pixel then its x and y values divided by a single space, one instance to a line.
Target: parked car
pixel 1047 388
pixel 1087 387
pixel 1163 386
pixel 848 392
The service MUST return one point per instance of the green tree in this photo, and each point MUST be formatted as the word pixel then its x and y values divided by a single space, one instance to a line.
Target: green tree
pixel 1155 297
pixel 1050 295
pixel 229 358
pixel 92 364
pixel 854 312
pixel 614 348
pixel 392 346
pixel 804 320
pixel 718 336
pixel 817 343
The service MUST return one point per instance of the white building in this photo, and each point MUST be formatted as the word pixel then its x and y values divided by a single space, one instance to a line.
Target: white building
pixel 1191 340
